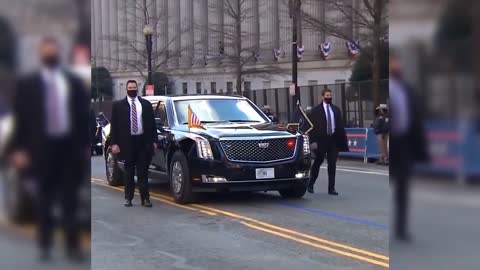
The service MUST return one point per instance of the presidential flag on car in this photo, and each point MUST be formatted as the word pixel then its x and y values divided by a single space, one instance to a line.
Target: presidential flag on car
pixel 193 120
pixel 303 124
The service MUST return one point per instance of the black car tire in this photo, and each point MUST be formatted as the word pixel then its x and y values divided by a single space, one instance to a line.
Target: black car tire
pixel 295 192
pixel 112 170
pixel 18 204
pixel 182 194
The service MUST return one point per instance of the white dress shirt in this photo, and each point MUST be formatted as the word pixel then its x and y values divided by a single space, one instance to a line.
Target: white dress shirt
pixel 138 105
pixel 54 80
pixel 332 116
pixel 399 105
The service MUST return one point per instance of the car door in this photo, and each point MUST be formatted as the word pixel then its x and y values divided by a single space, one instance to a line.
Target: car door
pixel 161 120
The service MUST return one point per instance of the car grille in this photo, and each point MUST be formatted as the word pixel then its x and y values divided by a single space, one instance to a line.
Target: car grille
pixel 251 150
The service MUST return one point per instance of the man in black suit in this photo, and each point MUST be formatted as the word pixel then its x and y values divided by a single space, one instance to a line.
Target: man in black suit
pixel 330 136
pixel 407 145
pixel 134 138
pixel 51 141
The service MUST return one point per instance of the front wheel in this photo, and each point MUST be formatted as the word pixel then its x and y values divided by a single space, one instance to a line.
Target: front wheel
pixel 113 171
pixel 180 184
pixel 295 192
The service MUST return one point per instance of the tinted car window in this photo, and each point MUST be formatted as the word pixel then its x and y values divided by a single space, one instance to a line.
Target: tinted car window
pixel 161 114
pixel 219 110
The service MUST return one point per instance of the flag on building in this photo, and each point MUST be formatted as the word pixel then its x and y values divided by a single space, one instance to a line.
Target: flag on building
pixel 193 120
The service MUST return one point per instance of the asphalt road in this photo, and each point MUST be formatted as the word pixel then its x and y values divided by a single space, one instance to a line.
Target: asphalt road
pixel 237 231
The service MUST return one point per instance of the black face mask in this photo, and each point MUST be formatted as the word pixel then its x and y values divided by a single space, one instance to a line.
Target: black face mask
pixel 132 93
pixel 327 100
pixel 52 61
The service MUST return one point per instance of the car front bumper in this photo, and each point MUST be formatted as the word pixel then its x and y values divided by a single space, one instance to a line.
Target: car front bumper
pixel 213 176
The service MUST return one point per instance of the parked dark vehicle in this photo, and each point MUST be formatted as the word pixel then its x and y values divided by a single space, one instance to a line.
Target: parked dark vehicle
pixel 240 149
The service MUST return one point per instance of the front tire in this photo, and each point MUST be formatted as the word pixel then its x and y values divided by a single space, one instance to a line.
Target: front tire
pixel 295 192
pixel 180 182
pixel 113 171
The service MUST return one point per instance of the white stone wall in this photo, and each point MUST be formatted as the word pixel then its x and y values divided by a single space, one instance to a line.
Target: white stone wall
pixel 187 25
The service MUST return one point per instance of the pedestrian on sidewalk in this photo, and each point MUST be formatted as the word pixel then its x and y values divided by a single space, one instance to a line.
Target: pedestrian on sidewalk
pixel 381 128
pixel 134 138
pixel 330 137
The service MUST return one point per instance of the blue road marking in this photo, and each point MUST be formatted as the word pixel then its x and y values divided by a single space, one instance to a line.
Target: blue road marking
pixel 336 216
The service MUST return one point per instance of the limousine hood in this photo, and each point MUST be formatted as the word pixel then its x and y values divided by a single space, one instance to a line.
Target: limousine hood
pixel 241 130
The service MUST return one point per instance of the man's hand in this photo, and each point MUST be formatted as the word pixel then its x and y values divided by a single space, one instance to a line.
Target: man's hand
pixel 154 146
pixel 21 159
pixel 115 149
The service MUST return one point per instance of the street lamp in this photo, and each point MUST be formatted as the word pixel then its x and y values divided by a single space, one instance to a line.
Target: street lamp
pixel 148 32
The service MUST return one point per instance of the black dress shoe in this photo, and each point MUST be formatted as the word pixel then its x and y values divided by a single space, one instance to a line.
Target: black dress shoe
pixel 76 256
pixel 45 256
pixel 147 203
pixel 127 203
pixel 310 189
pixel 333 192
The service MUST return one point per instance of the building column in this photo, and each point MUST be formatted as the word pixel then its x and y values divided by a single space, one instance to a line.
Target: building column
pixel 312 38
pixel 285 32
pixel 140 41
pixel 98 33
pixel 200 15
pixel 174 33
pixel 131 36
pixel 187 37
pixel 215 36
pixel 269 29
pixel 114 56
pixel 162 32
pixel 122 33
pixel 105 34
pixel 93 41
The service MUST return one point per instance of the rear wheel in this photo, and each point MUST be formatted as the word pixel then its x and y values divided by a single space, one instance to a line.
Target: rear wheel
pixel 295 192
pixel 180 183
pixel 113 171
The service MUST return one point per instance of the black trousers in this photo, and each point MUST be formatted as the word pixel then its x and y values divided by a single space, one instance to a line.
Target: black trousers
pixel 400 172
pixel 139 160
pixel 59 185
pixel 328 148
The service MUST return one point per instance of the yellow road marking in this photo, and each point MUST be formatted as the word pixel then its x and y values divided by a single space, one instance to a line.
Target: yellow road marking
pixel 311 237
pixel 308 243
pixel 266 228
pixel 29 231
pixel 170 202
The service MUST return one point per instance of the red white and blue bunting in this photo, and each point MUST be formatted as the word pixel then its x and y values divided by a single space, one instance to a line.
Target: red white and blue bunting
pixel 353 48
pixel 278 53
pixel 300 51
pixel 325 49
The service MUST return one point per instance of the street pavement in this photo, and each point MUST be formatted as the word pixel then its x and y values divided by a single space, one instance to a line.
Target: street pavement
pixel 238 231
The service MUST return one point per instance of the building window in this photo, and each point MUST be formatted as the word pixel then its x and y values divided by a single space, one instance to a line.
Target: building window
pixel 199 87
pixel 247 87
pixel 213 87
pixel 185 88
pixel 229 87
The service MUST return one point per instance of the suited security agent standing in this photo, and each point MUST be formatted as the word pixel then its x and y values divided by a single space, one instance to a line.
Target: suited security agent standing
pixel 134 138
pixel 330 136
pixel 50 142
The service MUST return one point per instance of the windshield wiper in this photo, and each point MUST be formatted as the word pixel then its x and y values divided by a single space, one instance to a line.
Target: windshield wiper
pixel 244 121
pixel 209 122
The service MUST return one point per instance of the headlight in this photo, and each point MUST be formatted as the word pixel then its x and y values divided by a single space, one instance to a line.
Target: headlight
pixel 306 145
pixel 204 150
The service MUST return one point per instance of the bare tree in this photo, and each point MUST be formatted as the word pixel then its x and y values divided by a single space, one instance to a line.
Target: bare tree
pixel 369 21
pixel 234 49
pixel 132 42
